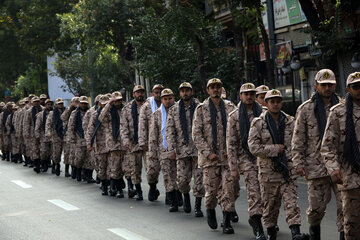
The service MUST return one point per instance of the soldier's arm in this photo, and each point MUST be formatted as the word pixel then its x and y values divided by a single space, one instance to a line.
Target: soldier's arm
pixel 257 148
pixel 232 143
pixel 298 143
pixel 198 133
pixel 105 112
pixel 66 114
pixel 7 124
pixel 48 125
pixel 171 131
pixel 71 128
pixel 143 126
pixel 154 136
pixel 124 127
pixel 90 128
pixel 38 124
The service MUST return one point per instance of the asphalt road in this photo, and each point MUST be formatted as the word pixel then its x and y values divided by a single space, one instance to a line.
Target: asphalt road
pixel 44 206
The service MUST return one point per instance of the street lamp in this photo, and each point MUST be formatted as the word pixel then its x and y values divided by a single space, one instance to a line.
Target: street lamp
pixel 286 67
pixel 295 63
pixel 355 61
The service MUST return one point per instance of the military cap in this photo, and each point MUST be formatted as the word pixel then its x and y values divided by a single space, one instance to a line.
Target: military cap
pixel 43 96
pixel 247 87
pixel 2 104
pixel 138 88
pixel 213 81
pixel 48 100
pixel 21 102
pixel 15 107
pixel 353 78
pixel 166 92
pixel 97 98
pixel 9 104
pixel 104 99
pixel 158 86
pixel 185 85
pixel 35 99
pixel 273 94
pixel 262 89
pixel 31 95
pixel 27 99
pixel 325 76
pixel 59 101
pixel 83 99
pixel 117 95
pixel 75 99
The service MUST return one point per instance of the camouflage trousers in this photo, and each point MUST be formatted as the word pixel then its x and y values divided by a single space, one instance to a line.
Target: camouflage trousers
pixel 219 188
pixel 153 170
pixel 272 193
pixel 35 149
pixel 351 206
pixel 7 143
pixel 93 160
pixel 103 165
pixel 116 159
pixel 186 169
pixel 126 166
pixel 168 169
pixel 27 145
pixel 255 205
pixel 72 152
pixel 136 159
pixel 57 148
pixel 15 145
pixel 81 159
pixel 66 148
pixel 45 150
pixel 319 195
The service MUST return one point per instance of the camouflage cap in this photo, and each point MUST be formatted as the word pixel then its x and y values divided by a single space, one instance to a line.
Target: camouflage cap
pixel 157 86
pixel 104 99
pixel 59 101
pixel 75 100
pixel 31 95
pixel 43 96
pixel 273 94
pixel 138 88
pixel 262 89
pixel 48 100
pixel 15 107
pixel 21 102
pixel 325 76
pixel 97 98
pixel 185 85
pixel 35 99
pixel 166 92
pixel 9 104
pixel 214 81
pixel 117 95
pixel 353 78
pixel 2 104
pixel 83 99
pixel 27 99
pixel 247 87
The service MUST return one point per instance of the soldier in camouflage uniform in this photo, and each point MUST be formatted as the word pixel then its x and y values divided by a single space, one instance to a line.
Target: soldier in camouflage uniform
pixel 129 124
pixel 43 99
pixel 341 154
pixel 158 148
pixel 18 147
pixel 54 130
pixel 2 106
pixel 182 148
pixel 27 142
pixel 21 131
pixel 45 142
pixel 152 167
pixel 240 158
pixel 260 94
pixel 5 134
pixel 208 133
pixel 308 133
pixel 11 130
pixel 270 140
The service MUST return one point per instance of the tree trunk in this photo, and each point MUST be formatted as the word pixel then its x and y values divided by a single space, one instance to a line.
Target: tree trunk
pixel 201 61
pixel 239 49
pixel 310 13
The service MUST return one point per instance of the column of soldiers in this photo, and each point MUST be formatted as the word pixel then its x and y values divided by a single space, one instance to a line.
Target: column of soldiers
pixel 210 144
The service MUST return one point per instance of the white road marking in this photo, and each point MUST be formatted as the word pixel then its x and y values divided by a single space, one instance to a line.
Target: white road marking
pixel 63 205
pixel 126 234
pixel 21 184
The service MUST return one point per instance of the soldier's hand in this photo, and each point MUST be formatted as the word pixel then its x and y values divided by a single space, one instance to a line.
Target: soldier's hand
pixel 112 100
pixel 127 146
pixel 336 177
pixel 281 148
pixel 235 175
pixel 213 156
pixel 145 148
pixel 172 155
pixel 89 148
pixel 301 172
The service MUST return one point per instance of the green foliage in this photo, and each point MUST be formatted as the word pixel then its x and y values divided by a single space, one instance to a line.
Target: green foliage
pixel 28 83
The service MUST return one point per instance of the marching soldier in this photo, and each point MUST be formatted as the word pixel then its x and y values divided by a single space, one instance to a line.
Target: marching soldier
pixel 152 167
pixel 2 106
pixel 43 99
pixel 18 146
pixel 45 142
pixel 209 136
pixel 20 124
pixel 240 158
pixel 182 148
pixel 340 151
pixel 6 140
pixel 308 133
pixel 129 125
pixel 270 140
pixel 13 146
pixel 54 130
pixel 260 94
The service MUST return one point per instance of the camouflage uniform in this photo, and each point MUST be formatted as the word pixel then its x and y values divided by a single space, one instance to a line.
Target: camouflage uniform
pixel 45 142
pixel 6 139
pixel 217 180
pixel 241 162
pixel 57 141
pixel 27 143
pixel 29 133
pixel 16 146
pixel 11 130
pixel 332 149
pixel 69 144
pixel 18 130
pixel 186 153
pixel 91 154
pixel 306 145
pixel 273 186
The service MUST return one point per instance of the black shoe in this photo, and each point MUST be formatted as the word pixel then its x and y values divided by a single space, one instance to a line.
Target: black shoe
pixel 73 172
pixel 98 181
pixel 234 217
pixel 314 232
pixel 211 218
pixel 187 204
pixel 57 169
pixel 78 174
pixel 67 174
pixel 295 233
pixel 90 176
pixel 7 155
pixel 120 193
pixel 342 235
pixel 153 192
pixel 131 191
pixel 197 208
pixel 139 192
pixel 167 199
pixel 255 223
pixel 272 233
pixel 104 188
pixel 113 189
pixel 44 166
pixel 53 170
pixel 227 228
pixel 37 165
pixel 31 164
pixel 174 204
pixel 20 158
pixel 179 198
pixel 122 184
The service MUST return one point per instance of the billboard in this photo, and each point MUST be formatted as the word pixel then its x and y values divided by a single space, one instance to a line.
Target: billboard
pixel 287 12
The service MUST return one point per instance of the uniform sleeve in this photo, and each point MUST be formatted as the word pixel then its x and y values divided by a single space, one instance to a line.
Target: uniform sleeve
pixel 124 127
pixel 232 143
pixel 26 124
pixel 143 126
pixel 48 125
pixel 254 141
pixel 71 130
pixel 171 131
pixel 330 143
pixel 104 115
pixel 154 136
pixel 198 133
pixel 90 128
pixel 299 139
pixel 7 125
pixel 38 124
pixel 66 114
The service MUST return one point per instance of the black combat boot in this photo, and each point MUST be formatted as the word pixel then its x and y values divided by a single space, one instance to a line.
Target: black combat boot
pixel 20 159
pixel 234 217
pixel 12 157
pixel 153 192
pixel 174 205
pixel 139 192
pixel 3 156
pixel 179 198
pixel 272 233
pixel 104 187
pixel 342 235
pixel 314 232
pixel 31 163
pixel 73 172
pixel 227 228
pixel 7 155
pixel 197 208
pixel 57 169
pixel 44 165
pixel 187 204
pixel 211 218
pixel 90 178
pixel 122 183
pixel 16 158
pixel 53 166
pixel 255 223
pixel 131 191
pixel 295 233
pixel 167 199
pixel 67 174
pixel 78 174
pixel 119 188
pixel 98 181
pixel 37 165
pixel 112 187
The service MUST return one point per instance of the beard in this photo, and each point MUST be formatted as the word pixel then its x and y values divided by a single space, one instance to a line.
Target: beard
pixel 140 99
